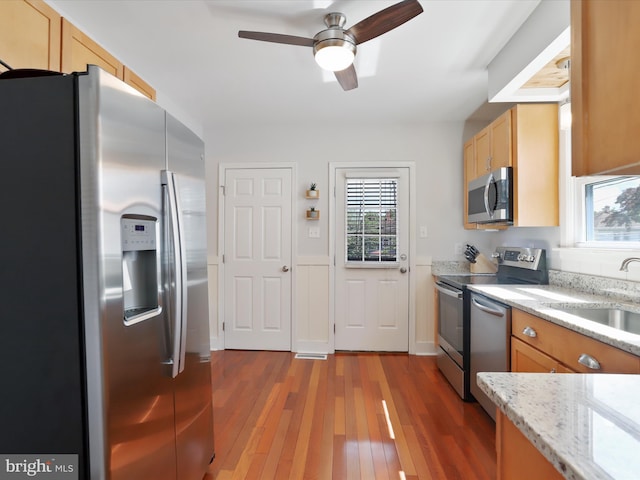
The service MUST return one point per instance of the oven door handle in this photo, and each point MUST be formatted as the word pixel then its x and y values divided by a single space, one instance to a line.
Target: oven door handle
pixel 447 291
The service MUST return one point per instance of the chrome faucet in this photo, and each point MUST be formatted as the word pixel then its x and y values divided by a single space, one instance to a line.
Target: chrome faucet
pixel 625 263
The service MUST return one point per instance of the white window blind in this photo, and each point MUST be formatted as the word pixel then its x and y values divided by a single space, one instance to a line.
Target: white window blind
pixel 371 213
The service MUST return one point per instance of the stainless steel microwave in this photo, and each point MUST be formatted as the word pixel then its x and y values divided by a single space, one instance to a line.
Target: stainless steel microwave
pixel 490 197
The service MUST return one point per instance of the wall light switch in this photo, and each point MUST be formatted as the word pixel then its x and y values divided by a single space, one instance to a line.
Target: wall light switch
pixel 314 232
pixel 423 231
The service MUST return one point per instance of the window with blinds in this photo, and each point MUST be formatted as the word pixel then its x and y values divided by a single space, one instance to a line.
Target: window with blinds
pixel 371 213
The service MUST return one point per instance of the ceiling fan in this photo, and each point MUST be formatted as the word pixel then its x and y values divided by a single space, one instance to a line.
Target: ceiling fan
pixel 335 48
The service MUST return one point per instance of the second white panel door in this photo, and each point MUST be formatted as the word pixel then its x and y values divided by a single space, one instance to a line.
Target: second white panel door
pixel 257 259
pixel 372 250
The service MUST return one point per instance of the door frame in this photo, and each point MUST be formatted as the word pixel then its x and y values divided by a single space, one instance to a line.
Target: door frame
pixel 333 167
pixel 222 173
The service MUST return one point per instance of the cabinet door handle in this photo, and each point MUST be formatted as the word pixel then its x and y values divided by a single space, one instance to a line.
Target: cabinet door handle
pixel 588 361
pixel 529 332
pixel 553 370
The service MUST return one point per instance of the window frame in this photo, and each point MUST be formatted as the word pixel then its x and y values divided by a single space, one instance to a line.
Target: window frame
pixel 572 198
pixel 380 264
pixel 580 221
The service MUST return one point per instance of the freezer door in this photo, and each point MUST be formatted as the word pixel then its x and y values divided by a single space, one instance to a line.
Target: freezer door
pixel 193 394
pixel 42 404
pixel 131 413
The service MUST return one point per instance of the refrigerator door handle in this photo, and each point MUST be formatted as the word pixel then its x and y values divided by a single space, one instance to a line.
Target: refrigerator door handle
pixel 174 218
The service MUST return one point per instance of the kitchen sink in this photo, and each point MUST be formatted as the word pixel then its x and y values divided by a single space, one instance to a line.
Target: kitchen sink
pixel 619 318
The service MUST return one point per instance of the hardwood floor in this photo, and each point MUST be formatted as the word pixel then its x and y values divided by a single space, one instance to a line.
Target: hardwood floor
pixel 352 416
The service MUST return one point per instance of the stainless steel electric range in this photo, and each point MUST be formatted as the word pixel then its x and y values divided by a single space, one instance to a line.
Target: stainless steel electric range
pixel 516 265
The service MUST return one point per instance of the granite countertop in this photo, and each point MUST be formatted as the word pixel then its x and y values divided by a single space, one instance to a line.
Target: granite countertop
pixel 547 301
pixel 586 425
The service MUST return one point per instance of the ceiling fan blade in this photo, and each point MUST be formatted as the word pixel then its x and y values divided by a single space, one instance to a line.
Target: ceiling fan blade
pixel 385 20
pixel 347 78
pixel 277 38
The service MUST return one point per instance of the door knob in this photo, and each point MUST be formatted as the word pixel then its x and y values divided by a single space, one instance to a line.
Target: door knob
pixel 285 269
pixel 403 270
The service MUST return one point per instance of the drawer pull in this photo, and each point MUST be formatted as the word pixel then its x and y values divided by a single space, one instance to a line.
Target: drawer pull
pixel 589 362
pixel 553 370
pixel 529 332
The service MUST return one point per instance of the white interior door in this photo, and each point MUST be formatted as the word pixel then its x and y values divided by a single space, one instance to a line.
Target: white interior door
pixel 257 259
pixel 372 259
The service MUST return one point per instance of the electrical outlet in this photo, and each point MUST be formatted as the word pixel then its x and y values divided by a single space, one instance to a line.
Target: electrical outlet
pixel 314 232
pixel 458 249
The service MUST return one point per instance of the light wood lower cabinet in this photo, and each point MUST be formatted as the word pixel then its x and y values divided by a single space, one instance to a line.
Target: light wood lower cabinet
pixel 29 35
pixel 517 458
pixel 525 358
pixel 539 345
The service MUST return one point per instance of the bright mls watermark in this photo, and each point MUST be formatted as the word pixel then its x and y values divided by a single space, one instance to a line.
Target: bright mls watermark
pixel 50 467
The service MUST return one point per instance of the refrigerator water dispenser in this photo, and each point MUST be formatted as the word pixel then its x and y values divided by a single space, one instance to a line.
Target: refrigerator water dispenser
pixel 140 279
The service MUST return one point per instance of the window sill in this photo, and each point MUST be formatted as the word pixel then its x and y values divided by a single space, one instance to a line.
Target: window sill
pixel 596 247
pixel 377 265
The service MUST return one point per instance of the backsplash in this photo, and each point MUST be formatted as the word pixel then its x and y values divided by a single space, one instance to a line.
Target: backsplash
pixel 615 288
pixel 444 267
pixel 620 290
pixel 594 261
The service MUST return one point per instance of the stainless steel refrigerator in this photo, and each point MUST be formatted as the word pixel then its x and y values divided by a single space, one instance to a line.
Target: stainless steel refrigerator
pixel 104 337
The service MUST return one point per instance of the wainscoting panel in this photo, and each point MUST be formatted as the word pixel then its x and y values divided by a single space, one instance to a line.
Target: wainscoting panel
pixel 215 340
pixel 311 329
pixel 425 322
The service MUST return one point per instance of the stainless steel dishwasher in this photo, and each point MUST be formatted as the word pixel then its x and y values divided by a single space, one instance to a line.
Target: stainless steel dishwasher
pixel 490 331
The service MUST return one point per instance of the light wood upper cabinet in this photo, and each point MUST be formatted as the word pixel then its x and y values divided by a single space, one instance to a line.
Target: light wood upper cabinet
pixel 29 35
pixel 482 152
pixel 493 145
pixel 605 39
pixel 526 137
pixel 136 82
pixel 469 173
pixel 79 50
pixel 535 133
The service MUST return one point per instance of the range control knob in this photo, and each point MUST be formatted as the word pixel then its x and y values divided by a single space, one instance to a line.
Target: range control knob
pixel 521 257
pixel 531 258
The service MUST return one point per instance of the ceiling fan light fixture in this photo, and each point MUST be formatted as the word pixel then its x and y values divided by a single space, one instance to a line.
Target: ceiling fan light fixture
pixel 334 54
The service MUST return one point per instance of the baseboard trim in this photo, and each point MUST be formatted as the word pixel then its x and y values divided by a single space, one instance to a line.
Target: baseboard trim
pixel 426 349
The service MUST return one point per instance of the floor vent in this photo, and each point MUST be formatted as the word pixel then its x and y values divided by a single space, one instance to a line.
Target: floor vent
pixel 311 356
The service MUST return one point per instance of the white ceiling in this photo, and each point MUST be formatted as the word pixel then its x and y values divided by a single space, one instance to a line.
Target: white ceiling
pixel 432 68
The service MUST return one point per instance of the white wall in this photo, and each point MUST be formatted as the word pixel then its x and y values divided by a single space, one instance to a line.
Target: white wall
pixel 436 150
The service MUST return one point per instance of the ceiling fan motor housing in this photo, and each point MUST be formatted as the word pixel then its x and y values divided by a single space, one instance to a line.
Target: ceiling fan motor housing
pixel 334 35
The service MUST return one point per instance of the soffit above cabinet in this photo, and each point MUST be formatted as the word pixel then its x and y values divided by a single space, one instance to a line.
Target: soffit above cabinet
pixel 526 69
pixel 554 74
